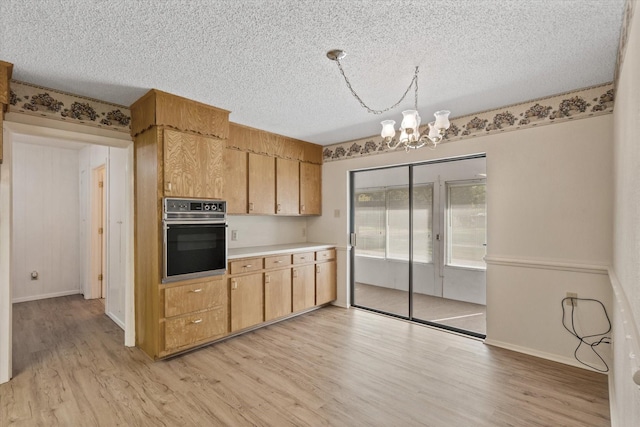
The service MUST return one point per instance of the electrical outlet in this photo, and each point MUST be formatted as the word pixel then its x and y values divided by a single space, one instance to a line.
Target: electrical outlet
pixel 573 302
pixel 234 235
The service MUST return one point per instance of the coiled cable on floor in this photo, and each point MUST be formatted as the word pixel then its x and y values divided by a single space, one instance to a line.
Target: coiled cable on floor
pixel 584 338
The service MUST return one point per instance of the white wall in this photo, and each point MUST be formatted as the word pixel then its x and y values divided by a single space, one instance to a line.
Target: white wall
pixel 624 393
pixel 549 213
pixel 45 221
pixel 255 230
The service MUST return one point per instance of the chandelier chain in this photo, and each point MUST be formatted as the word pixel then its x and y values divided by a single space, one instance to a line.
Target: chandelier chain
pixel 414 81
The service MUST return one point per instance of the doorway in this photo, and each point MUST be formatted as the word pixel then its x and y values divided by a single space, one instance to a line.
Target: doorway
pixel 419 240
pixel 98 232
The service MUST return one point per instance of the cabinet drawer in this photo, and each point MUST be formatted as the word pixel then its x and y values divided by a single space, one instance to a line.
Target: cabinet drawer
pixel 198 296
pixel 193 328
pixel 277 261
pixel 245 265
pixel 303 258
pixel 327 254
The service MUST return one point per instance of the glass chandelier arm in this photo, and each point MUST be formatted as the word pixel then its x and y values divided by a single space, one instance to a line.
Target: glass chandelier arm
pixel 371 110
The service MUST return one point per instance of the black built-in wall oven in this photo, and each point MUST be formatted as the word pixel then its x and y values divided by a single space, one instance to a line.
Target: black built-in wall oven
pixel 195 238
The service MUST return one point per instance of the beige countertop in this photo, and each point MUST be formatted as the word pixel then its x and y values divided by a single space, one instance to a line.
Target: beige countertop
pixel 276 249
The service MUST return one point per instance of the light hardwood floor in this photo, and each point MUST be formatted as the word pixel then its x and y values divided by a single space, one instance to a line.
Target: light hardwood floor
pixel 329 367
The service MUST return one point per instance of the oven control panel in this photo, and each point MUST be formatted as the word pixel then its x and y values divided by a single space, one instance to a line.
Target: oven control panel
pixel 194 207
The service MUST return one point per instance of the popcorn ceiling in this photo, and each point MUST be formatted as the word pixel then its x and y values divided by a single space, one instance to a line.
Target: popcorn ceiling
pixel 265 61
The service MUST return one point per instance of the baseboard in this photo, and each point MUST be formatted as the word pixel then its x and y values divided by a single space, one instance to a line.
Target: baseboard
pixel 45 296
pixel 116 320
pixel 540 354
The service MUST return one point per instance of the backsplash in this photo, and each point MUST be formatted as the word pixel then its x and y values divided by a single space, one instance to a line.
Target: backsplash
pixel 26 98
pixel 257 230
pixel 579 104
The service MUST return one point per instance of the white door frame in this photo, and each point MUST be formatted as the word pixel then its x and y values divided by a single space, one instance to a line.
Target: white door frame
pixel 15 123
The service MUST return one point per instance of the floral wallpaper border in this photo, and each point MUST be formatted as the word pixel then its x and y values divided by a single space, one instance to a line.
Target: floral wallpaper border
pixel 25 98
pixel 578 104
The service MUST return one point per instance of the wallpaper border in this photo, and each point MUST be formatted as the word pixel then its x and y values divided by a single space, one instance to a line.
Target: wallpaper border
pixel 578 104
pixel 34 100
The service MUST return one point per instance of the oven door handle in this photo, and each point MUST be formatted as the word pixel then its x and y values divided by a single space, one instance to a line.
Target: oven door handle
pixel 192 224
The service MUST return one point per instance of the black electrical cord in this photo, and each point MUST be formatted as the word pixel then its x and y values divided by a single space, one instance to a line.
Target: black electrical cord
pixel 583 339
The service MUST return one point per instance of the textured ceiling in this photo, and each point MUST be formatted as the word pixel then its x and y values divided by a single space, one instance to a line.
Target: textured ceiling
pixel 265 60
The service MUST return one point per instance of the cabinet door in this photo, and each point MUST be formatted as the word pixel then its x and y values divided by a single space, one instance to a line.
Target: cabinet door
pixel 304 289
pixel 262 184
pixel 235 181
pixel 325 282
pixel 277 294
pixel 310 189
pixel 287 186
pixel 247 301
pixel 192 165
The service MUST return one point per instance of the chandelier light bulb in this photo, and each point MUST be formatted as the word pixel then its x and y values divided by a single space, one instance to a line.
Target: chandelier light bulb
pixel 442 119
pixel 388 129
pixel 410 119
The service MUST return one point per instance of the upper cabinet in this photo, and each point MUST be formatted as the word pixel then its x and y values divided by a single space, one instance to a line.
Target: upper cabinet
pixel 270 174
pixel 310 189
pixel 157 108
pixel 193 165
pixel 287 186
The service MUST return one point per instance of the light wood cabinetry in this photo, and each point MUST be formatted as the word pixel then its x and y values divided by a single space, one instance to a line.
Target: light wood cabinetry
pixel 157 108
pixel 194 313
pixel 247 301
pixel 273 188
pixel 277 293
pixel 325 276
pixel 287 186
pixel 262 188
pixel 236 181
pixel 6 70
pixel 303 287
pixel 310 189
pixel 192 165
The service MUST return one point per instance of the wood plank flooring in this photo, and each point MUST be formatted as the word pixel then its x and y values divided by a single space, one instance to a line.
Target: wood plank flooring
pixel 329 367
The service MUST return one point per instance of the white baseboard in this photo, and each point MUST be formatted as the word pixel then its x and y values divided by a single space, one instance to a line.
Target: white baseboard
pixel 531 352
pixel 116 320
pixel 45 296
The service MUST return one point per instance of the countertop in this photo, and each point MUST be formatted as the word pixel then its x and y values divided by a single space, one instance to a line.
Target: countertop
pixel 276 249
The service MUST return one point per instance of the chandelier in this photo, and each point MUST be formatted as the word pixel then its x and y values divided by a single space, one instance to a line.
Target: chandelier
pixel 410 126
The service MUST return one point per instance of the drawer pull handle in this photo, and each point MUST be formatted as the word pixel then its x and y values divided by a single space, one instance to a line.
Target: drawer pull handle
pixel 234 284
pixel 248 266
pixel 277 262
pixel 301 257
pixel 195 291
pixel 195 322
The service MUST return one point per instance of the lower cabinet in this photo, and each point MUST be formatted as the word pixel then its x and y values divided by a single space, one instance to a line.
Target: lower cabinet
pixel 304 289
pixel 325 282
pixel 194 313
pixel 277 294
pixel 247 301
pixel 256 290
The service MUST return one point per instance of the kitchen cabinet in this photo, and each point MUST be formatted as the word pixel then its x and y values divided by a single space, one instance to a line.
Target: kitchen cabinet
pixel 287 186
pixel 194 313
pixel 325 276
pixel 303 287
pixel 277 293
pixel 310 189
pixel 247 301
pixel 262 184
pixel 193 165
pixel 236 181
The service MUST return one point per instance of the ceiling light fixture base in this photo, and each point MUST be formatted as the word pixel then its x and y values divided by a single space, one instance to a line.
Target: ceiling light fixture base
pixel 336 54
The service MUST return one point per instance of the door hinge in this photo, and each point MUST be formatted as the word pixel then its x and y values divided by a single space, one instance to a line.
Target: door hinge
pixel 100 184
pixel 100 230
pixel 100 277
pixel 352 239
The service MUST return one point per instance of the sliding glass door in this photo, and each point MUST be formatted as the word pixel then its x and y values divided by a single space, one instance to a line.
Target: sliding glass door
pixel 418 242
